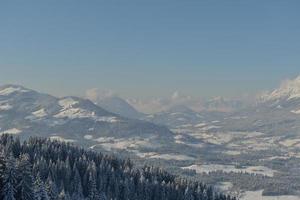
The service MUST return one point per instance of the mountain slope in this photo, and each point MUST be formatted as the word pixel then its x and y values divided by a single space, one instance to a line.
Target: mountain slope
pixel 29 113
pixel 286 97
pixel 119 106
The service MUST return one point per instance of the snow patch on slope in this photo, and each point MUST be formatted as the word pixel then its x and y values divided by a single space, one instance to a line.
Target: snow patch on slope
pixel 67 102
pixel 231 168
pixel 296 111
pixel 40 113
pixel 5 106
pixel 68 111
pixel 12 89
pixel 61 139
pixel 257 195
pixel 13 131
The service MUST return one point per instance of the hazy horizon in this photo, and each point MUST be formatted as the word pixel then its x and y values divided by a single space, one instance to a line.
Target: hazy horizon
pixel 149 49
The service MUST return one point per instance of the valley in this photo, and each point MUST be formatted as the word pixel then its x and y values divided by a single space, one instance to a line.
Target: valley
pixel 246 153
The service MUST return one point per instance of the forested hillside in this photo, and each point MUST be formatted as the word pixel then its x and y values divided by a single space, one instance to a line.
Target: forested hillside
pixel 40 169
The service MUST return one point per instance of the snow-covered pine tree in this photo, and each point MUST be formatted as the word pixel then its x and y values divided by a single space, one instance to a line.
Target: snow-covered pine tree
pixel 77 186
pixel 10 180
pixel 2 168
pixel 92 188
pixel 51 188
pixel 39 189
pixel 25 179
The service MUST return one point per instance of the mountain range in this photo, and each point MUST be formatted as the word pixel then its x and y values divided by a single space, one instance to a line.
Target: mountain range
pixel 262 138
pixel 29 113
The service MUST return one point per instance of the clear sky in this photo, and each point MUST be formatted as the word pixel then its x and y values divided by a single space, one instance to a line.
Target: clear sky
pixel 145 48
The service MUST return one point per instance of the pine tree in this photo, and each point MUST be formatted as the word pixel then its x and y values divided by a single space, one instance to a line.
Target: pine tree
pixel 51 189
pixel 102 196
pixel 25 187
pixel 2 169
pixel 93 192
pixel 77 186
pixel 39 189
pixel 9 191
pixel 63 195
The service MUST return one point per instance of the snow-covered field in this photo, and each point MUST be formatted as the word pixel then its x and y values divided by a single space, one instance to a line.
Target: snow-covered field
pixel 12 131
pixel 110 143
pixel 257 195
pixel 61 139
pixel 172 157
pixel 155 155
pixel 223 186
pixel 231 168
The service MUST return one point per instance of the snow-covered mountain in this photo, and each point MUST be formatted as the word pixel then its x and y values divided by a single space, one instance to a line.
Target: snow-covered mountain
pixel 276 113
pixel 119 106
pixel 288 90
pixel 285 98
pixel 29 113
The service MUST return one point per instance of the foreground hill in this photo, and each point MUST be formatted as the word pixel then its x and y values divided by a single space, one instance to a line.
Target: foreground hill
pixel 42 169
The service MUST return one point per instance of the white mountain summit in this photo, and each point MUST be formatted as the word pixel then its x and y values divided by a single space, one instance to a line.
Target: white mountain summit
pixel 288 90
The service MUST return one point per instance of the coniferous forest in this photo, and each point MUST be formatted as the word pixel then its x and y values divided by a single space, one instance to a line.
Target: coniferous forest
pixel 40 169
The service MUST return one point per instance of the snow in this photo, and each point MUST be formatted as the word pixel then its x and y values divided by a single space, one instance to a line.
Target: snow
pixel 238 117
pixel 289 89
pixel 155 155
pixel 88 137
pixel 73 113
pixel 178 140
pixel 213 138
pixel 61 139
pixel 224 186
pixel 257 195
pixel 13 131
pixel 69 111
pixel 40 113
pixel 296 111
pixel 171 157
pixel 232 153
pixel 144 155
pixel 67 102
pixel 290 142
pixel 200 125
pixel 206 128
pixel 110 143
pixel 231 168
pixel 5 106
pixel 186 125
pixel 132 144
pixel 107 119
pixel 10 90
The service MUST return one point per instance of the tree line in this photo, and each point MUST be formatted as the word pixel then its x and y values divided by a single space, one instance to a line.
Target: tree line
pixel 40 169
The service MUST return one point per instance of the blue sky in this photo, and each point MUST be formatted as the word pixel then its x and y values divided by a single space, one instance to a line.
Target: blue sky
pixel 145 48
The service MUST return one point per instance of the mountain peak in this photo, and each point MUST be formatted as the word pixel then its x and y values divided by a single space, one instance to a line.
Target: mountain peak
pixel 11 88
pixel 289 89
